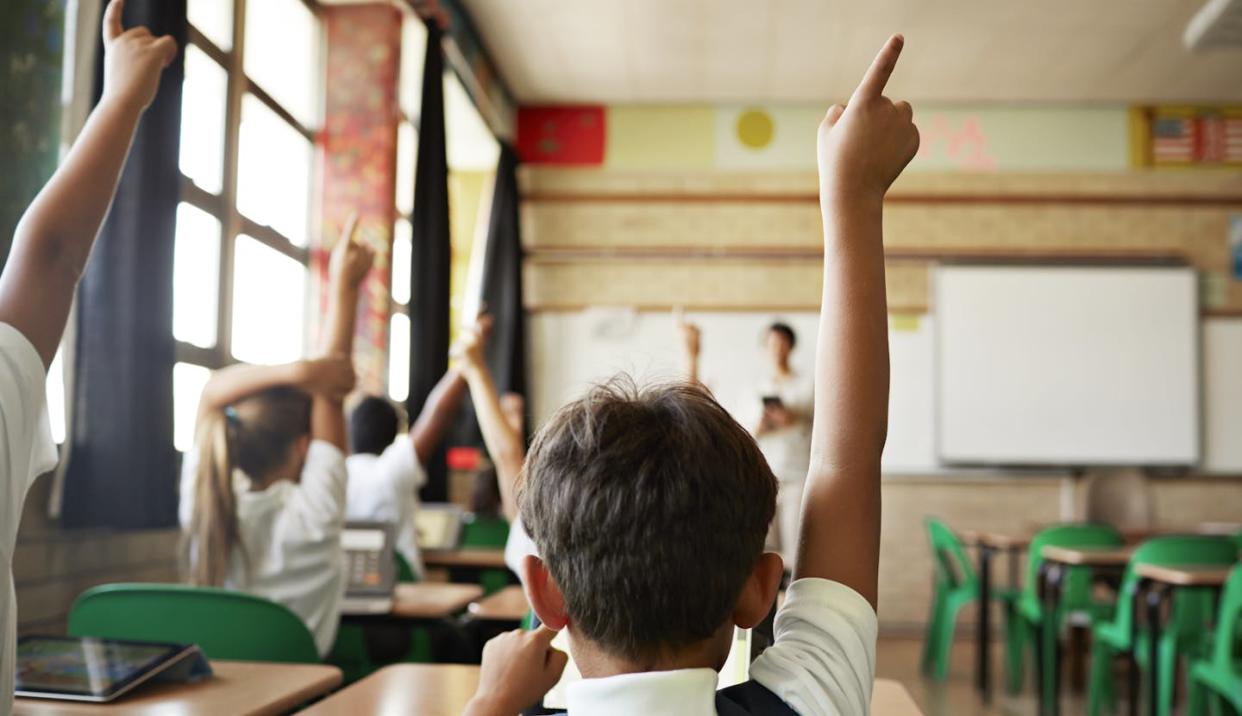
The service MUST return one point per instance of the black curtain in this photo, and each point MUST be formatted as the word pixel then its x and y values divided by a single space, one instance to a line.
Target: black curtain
pixel 122 465
pixel 502 280
pixel 432 254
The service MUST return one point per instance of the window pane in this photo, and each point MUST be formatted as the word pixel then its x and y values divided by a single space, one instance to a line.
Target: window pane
pixel 402 248
pixel 196 276
pixel 274 172
pixel 413 52
pixel 407 151
pixel 188 382
pixel 56 397
pixel 269 304
pixel 203 100
pixel 399 357
pixel 213 18
pixel 282 38
pixel 471 144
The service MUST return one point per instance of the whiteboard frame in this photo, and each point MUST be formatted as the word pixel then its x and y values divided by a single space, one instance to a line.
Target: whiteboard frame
pixel 1021 464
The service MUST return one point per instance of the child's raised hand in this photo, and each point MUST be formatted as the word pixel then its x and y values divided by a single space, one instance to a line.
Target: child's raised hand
pixel 691 335
pixel 519 668
pixel 351 260
pixel 468 348
pixel 864 145
pixel 133 59
pixel 330 376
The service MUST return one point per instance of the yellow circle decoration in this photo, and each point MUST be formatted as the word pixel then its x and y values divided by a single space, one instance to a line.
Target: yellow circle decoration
pixel 755 128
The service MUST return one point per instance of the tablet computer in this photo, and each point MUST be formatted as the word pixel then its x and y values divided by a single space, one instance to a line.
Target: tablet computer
pixel 85 669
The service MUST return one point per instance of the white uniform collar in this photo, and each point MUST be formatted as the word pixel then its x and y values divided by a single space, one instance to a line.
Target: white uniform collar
pixel 685 692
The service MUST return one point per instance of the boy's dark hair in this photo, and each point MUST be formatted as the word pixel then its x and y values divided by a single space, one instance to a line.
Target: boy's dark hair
pixel 373 426
pixel 650 508
pixel 785 330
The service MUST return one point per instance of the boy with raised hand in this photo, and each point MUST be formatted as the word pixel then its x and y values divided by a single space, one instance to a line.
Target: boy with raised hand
pixel 50 250
pixel 650 508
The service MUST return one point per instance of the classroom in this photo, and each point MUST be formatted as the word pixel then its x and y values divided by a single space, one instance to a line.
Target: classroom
pixel 502 357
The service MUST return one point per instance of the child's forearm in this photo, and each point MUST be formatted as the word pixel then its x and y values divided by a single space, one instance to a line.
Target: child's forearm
pixel 342 310
pixel 504 444
pixel 229 385
pixel 437 415
pixel 54 238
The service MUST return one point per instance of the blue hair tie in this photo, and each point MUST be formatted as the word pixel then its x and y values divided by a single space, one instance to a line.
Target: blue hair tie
pixel 230 414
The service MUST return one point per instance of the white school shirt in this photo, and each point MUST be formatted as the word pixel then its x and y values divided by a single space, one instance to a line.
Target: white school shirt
pixel 384 488
pixel 26 451
pixel 788 449
pixel 821 664
pixel 291 533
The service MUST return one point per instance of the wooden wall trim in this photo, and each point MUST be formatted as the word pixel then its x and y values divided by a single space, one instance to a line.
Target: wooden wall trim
pixel 557 255
pixel 924 199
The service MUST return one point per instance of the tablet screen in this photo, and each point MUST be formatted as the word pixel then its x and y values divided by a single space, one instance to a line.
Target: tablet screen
pixel 87 667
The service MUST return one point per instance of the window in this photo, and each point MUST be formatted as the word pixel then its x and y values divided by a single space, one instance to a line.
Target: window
pixel 249 111
pixel 413 51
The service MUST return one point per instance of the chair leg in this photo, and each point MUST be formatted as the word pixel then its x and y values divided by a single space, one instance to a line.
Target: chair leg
pixel 945 627
pixel 1196 699
pixel 1015 645
pixel 929 635
pixel 1100 695
pixel 1166 671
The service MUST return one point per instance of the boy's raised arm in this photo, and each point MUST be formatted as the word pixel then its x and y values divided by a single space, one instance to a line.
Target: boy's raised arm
pixel 54 237
pixel 863 147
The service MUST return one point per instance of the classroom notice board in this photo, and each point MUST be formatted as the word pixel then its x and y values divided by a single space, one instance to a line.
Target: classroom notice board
pixel 570 351
pixel 1222 395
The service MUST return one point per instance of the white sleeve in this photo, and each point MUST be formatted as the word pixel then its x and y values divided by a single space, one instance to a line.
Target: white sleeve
pixel 319 500
pixel 399 464
pixel 823 661
pixel 26 446
pixel 189 480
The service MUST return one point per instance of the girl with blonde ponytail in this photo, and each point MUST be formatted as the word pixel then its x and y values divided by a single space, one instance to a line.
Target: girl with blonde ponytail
pixel 263 489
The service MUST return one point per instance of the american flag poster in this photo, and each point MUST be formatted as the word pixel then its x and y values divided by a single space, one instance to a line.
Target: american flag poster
pixel 1202 136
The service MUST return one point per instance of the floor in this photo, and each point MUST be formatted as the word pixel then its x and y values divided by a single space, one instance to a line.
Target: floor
pixel 898 658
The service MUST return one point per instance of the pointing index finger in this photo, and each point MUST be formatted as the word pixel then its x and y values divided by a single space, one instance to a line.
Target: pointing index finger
pixel 873 82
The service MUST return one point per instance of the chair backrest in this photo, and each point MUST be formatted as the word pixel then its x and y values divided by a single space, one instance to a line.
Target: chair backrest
pixel 1067 535
pixel 952 566
pixel 224 624
pixel 1172 550
pixel 483 531
pixel 405 573
pixel 1229 622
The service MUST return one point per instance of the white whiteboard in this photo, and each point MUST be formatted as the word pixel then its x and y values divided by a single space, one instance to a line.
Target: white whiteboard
pixel 572 351
pixel 1222 395
pixel 1067 365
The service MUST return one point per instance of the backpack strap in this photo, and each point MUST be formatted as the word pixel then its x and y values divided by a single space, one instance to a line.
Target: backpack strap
pixel 751 697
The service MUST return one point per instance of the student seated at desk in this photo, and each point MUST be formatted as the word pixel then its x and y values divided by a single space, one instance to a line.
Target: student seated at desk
pixel 263 489
pixel 49 253
pixel 386 469
pixel 650 508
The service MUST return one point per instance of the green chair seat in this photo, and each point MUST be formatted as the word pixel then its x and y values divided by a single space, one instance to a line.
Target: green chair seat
pixel 225 624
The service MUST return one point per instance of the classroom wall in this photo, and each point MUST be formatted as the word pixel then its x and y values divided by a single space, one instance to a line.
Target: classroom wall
pixel 699 220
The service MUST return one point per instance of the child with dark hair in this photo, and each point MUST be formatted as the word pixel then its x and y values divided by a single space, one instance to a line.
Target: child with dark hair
pixel 49 253
pixel 263 488
pixel 650 507
pixel 386 467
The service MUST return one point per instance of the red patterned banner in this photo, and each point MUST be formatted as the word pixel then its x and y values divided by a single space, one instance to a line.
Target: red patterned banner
pixel 561 135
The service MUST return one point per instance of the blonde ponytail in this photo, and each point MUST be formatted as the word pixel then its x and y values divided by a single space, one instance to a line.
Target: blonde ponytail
pixel 213 530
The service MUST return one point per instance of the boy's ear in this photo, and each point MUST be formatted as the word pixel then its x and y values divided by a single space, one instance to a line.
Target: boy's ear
pixel 545 597
pixel 759 592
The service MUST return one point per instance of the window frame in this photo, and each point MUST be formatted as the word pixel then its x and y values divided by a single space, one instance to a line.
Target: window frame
pixel 223 206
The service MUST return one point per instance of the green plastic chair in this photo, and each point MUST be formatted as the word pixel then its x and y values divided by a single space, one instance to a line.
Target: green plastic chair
pixel 405 573
pixel 487 532
pixel 1187 623
pixel 1076 598
pixel 1217 679
pixel 955 586
pixel 225 624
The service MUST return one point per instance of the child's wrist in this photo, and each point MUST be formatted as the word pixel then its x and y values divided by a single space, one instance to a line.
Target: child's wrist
pixel 484 706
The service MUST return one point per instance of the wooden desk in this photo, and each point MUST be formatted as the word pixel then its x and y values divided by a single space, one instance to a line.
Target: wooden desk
pixel 890 698
pixel 996 539
pixel 1156 584
pixel 445 689
pixel 432 600
pixel 239 687
pixel 1088 556
pixel 469 558
pixel 507 605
